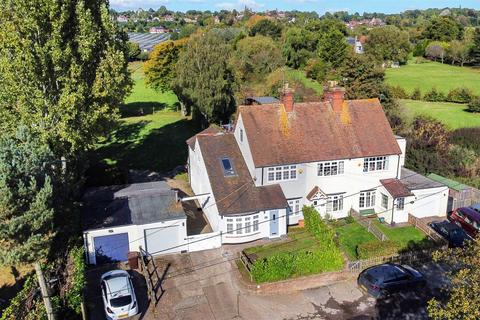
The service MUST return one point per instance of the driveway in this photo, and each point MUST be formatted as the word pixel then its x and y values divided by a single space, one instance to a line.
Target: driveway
pixel 201 285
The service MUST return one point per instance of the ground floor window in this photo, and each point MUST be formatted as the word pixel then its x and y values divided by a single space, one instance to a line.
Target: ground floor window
pixel 294 207
pixel 230 226
pixel 367 199
pixel 243 225
pixel 255 223
pixel 335 203
pixel 400 203
pixel 384 201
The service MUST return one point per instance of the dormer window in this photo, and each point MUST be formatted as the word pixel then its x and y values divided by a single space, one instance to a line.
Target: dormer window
pixel 228 170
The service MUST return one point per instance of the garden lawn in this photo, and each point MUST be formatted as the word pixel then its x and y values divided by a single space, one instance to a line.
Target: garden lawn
pixel 402 235
pixel 350 236
pixel 452 115
pixel 299 75
pixel 298 239
pixel 430 74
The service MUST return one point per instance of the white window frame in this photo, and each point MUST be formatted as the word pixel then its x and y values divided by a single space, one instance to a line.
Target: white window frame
pixel 375 164
pixel 401 204
pixel 334 203
pixel 255 223
pixel 294 207
pixel 282 173
pixel 368 197
pixel 243 225
pixel 230 226
pixel 330 168
pixel 384 201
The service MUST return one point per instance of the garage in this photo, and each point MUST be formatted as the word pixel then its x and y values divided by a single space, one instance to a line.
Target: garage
pixel 120 219
pixel 111 248
pixel 163 240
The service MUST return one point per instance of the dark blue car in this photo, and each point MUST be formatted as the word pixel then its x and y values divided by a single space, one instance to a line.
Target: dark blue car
pixel 454 234
pixel 385 279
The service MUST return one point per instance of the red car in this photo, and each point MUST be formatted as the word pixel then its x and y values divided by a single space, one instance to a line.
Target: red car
pixel 468 219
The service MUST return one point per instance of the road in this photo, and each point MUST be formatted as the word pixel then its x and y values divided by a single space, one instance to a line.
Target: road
pixel 201 285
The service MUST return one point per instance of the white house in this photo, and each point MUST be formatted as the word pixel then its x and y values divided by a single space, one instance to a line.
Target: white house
pixel 336 155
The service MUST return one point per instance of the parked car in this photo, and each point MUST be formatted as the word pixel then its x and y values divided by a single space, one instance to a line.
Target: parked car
pixel 454 234
pixel 118 295
pixel 466 218
pixel 476 207
pixel 385 279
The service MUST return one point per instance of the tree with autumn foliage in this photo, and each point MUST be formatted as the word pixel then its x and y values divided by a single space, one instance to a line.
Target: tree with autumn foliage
pixel 463 294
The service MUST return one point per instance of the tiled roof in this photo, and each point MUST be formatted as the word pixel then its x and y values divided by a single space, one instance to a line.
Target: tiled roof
pixel 314 132
pixel 237 193
pixel 396 188
pixel 210 131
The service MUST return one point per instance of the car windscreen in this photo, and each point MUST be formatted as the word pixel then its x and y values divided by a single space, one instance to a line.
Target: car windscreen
pixel 121 301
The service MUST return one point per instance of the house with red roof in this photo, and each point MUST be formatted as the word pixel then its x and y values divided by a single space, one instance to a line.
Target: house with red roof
pixel 336 155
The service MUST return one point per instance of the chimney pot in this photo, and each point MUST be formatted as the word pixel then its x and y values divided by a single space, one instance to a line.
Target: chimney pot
pixel 286 97
pixel 334 94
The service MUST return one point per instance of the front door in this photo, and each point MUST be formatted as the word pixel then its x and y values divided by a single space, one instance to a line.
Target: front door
pixel 273 223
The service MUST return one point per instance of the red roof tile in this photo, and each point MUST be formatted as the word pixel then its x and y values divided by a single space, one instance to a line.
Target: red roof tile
pixel 314 132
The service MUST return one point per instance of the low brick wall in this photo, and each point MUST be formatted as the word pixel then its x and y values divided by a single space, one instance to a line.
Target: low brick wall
pixel 295 284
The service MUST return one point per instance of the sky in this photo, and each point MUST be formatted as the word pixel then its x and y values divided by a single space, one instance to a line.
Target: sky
pixel 320 6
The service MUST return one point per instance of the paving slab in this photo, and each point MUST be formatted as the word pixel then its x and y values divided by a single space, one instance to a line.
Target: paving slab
pixel 221 300
pixel 345 291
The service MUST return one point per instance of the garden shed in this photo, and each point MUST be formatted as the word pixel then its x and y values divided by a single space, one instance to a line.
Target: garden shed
pixel 459 194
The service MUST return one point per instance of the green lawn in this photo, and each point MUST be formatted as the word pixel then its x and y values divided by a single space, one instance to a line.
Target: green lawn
pixel 402 235
pixel 298 239
pixel 151 135
pixel 350 236
pixel 453 115
pixel 433 74
pixel 299 75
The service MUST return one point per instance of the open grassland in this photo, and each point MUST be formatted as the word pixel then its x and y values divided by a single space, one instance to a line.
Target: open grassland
pixel 452 115
pixel 429 74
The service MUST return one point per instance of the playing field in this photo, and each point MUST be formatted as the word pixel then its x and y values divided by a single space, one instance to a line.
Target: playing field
pixel 453 115
pixel 427 75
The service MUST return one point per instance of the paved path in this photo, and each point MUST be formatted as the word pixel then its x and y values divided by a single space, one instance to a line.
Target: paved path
pixel 201 285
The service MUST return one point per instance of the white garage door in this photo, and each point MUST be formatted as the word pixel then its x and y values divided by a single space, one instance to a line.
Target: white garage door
pixel 164 240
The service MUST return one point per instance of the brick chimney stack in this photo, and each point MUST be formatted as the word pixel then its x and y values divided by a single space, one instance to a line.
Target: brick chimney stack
pixel 286 97
pixel 334 94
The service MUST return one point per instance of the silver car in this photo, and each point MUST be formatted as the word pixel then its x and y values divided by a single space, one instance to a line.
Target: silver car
pixel 118 295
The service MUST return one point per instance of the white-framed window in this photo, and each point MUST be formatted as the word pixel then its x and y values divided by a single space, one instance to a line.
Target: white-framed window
pixel 375 164
pixel 335 203
pixel 400 203
pixel 230 226
pixel 331 168
pixel 283 173
pixel 294 207
pixel 384 201
pixel 255 223
pixel 248 227
pixel 367 199
pixel 239 229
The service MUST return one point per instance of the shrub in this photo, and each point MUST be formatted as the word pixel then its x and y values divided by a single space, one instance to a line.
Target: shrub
pixel 434 96
pixel 349 219
pixel 317 227
pixel 376 249
pixel 76 276
pixel 416 94
pixel 474 105
pixel 316 69
pixel 398 92
pixel 17 309
pixel 460 95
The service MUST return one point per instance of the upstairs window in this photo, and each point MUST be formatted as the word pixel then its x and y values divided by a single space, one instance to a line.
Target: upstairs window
pixel 331 168
pixel 375 164
pixel 284 173
pixel 227 167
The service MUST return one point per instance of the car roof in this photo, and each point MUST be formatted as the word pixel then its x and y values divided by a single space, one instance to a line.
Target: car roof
pixel 471 213
pixel 117 283
pixel 386 271
pixel 447 225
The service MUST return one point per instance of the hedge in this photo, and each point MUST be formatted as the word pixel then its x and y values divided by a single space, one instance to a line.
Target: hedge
pixel 460 95
pixel 77 281
pixel 377 249
pixel 17 308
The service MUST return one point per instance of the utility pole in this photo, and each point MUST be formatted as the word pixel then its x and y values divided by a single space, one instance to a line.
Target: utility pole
pixel 45 292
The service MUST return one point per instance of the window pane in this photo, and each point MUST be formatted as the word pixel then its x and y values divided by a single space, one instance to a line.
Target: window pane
pixel 340 167
pixel 255 225
pixel 365 166
pixel 229 227
pixel 286 175
pixel 248 228
pixel 239 228
pixel 293 174
pixel 278 175
pixel 271 176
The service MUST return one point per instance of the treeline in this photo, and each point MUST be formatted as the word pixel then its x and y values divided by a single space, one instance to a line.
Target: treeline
pixel 63 74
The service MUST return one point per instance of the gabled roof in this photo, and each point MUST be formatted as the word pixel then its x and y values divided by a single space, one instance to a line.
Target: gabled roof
pixel 314 132
pixel 210 131
pixel 235 193
pixel 312 194
pixel 396 188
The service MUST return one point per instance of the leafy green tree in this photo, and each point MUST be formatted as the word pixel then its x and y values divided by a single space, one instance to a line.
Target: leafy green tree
pixel 268 28
pixel 437 50
pixel 133 50
pixel 299 46
pixel 459 51
pixel 463 297
pixel 159 69
pixel 361 78
pixel 204 82
pixel 254 58
pixel 443 29
pixel 333 48
pixel 26 198
pixel 388 44
pixel 475 50
pixel 63 70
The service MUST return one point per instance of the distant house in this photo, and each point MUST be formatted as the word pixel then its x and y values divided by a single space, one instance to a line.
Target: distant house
pixel 260 100
pixel 357 43
pixel 158 30
pixel 147 41
pixel 374 22
pixel 122 19
pixel 168 18
pixel 336 155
